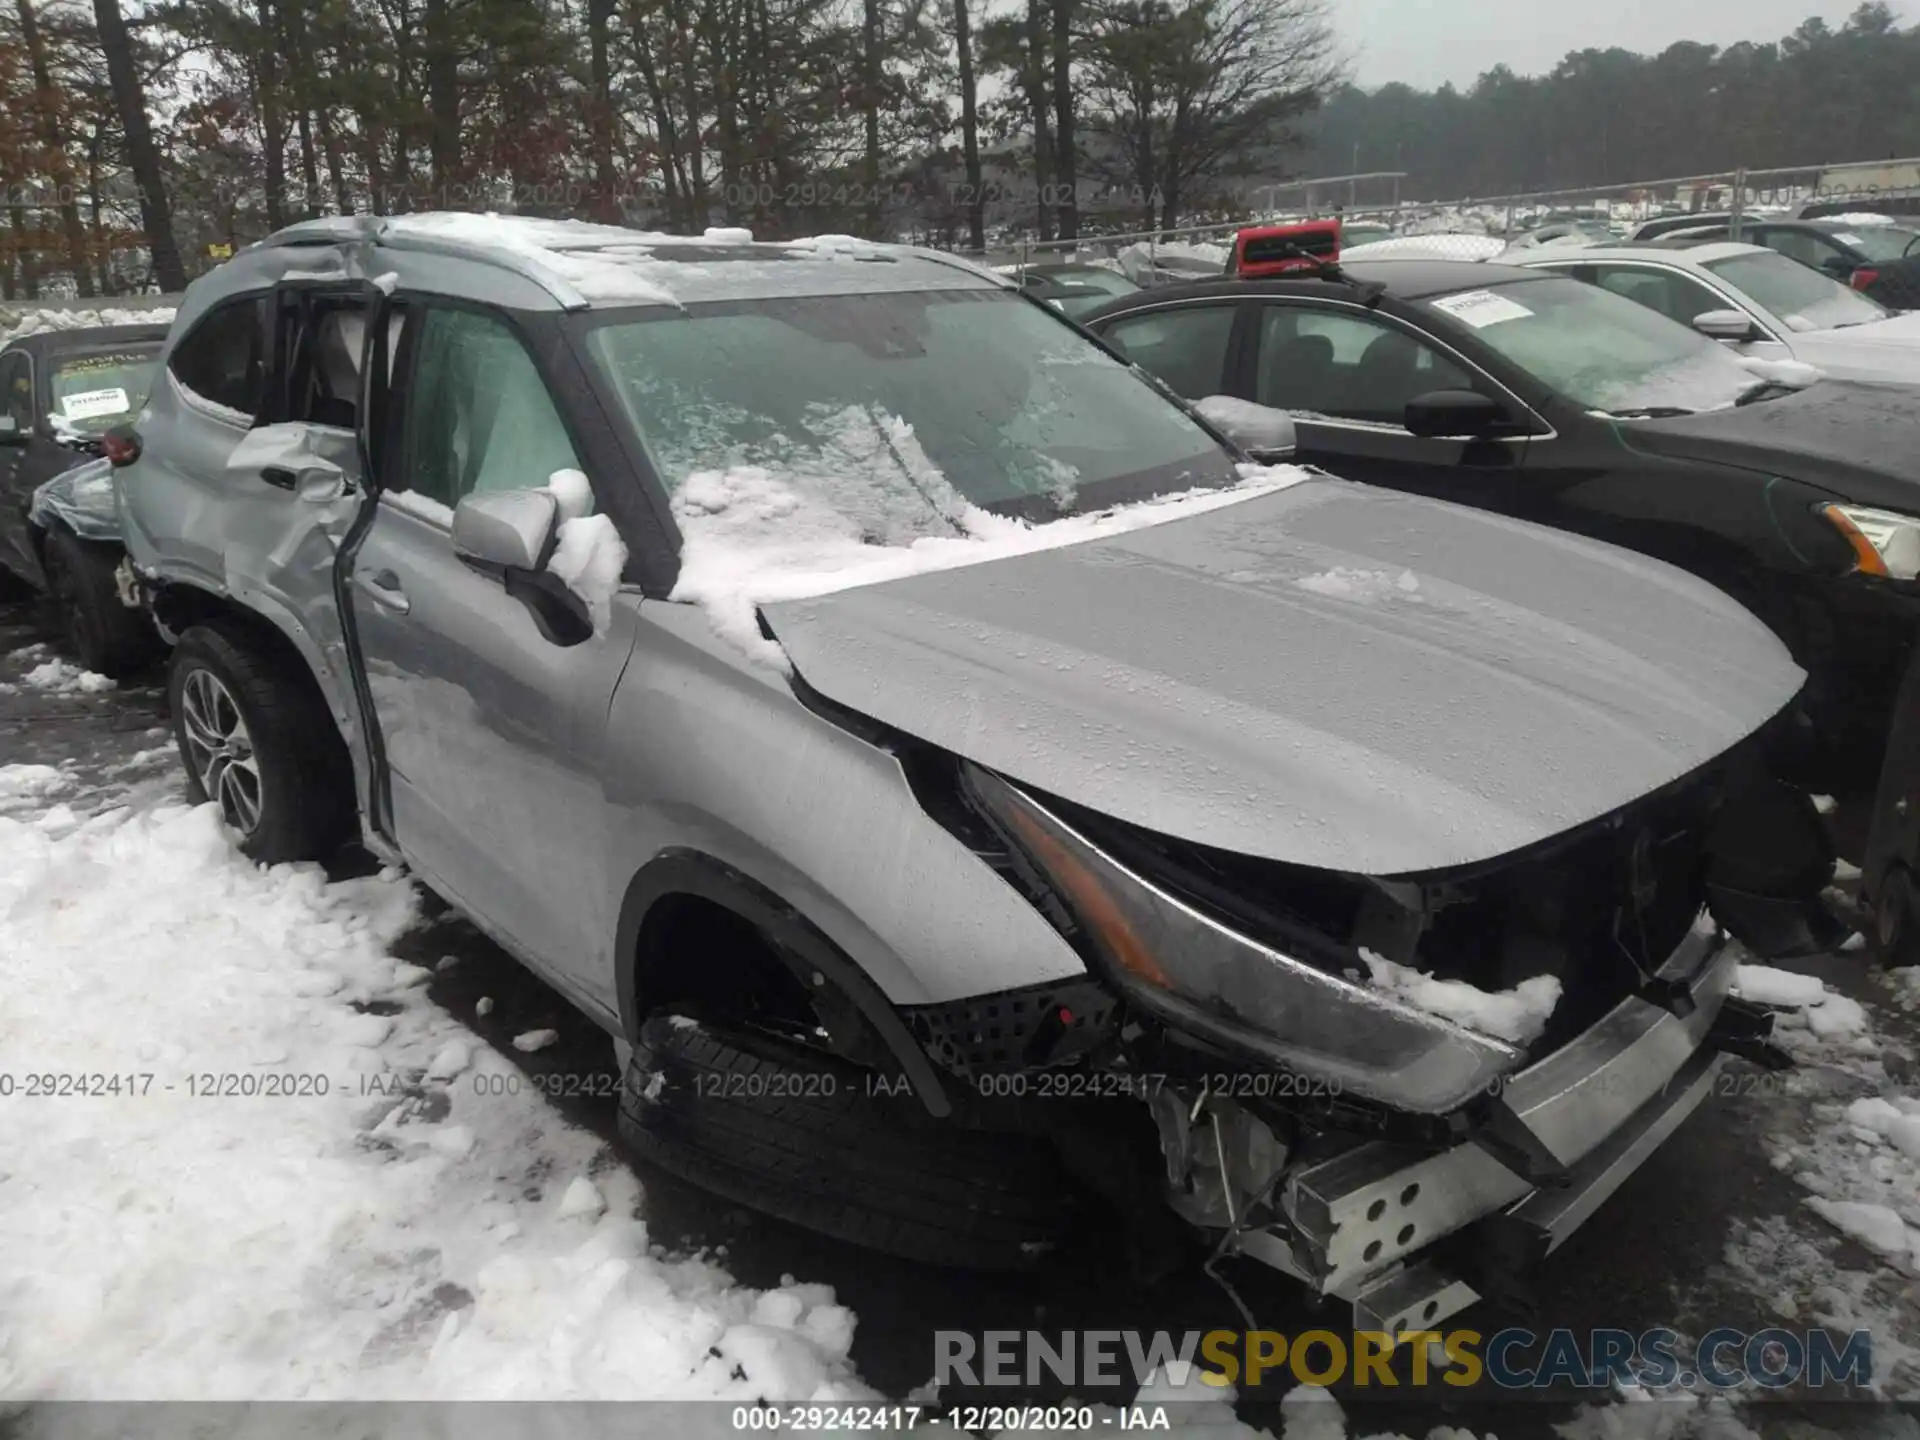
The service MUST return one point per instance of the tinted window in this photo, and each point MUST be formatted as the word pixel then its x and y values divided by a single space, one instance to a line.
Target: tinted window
pixel 1805 246
pixel 1676 296
pixel 479 416
pixel 1186 347
pixel 222 362
pixel 1350 367
pixel 16 388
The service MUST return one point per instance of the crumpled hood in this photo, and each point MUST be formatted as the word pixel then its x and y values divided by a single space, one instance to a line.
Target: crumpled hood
pixel 1333 675
pixel 82 497
pixel 1857 441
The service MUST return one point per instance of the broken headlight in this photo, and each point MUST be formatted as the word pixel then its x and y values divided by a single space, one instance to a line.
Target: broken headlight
pixel 1193 972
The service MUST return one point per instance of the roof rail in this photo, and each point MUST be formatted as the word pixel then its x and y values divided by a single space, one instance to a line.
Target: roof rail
pixel 503 257
pixel 392 233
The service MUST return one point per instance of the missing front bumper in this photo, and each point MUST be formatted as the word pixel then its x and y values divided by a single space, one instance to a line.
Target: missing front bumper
pixel 1593 1111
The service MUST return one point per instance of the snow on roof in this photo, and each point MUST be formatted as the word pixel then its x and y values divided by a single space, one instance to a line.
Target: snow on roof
pixel 612 265
pixel 1859 217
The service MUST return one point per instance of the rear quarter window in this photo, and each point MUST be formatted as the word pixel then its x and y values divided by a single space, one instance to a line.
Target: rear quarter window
pixel 222 360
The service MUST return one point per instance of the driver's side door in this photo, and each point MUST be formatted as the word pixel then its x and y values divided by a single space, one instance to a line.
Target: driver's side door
pixel 1347 373
pixel 490 728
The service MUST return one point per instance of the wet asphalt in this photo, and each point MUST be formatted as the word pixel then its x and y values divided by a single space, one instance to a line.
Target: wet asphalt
pixel 1650 1257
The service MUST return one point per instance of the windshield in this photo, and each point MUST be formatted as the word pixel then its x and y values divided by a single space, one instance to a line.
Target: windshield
pixel 891 407
pixel 93 392
pixel 1881 242
pixel 1599 349
pixel 1801 296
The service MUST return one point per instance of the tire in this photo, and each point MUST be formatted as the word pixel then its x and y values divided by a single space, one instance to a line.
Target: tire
pixel 797 1137
pixel 256 739
pixel 108 637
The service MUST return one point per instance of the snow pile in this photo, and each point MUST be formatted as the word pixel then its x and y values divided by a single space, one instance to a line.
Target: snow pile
pixel 1518 1015
pixel 1796 373
pixel 1813 1008
pixel 1861 217
pixel 394 1236
pixel 31 781
pixel 589 556
pixel 61 677
pixel 751 537
pixel 16 323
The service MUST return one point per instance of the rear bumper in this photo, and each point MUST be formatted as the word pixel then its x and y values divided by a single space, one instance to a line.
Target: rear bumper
pixel 1595 1109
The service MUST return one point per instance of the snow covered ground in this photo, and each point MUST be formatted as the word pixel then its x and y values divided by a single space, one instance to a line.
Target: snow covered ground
pixel 386 1227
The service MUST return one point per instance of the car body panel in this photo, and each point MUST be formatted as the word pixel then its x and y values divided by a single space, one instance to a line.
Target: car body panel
pixel 80 499
pixel 1335 676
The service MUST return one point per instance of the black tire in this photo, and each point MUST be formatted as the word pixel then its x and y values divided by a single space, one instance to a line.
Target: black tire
pixel 781 1128
pixel 108 637
pixel 302 780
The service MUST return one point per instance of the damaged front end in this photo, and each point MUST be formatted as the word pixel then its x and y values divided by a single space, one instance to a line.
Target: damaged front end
pixel 1312 1117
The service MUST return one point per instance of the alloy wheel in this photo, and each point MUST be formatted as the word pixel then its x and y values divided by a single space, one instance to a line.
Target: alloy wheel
pixel 220 749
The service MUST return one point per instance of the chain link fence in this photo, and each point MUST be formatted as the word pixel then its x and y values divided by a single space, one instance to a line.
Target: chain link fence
pixel 1379 223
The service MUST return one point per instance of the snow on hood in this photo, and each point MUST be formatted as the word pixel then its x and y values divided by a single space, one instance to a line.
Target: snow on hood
pixel 1879 350
pixel 1331 675
pixel 751 537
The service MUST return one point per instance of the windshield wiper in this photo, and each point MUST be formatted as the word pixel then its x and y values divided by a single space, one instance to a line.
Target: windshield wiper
pixel 1652 412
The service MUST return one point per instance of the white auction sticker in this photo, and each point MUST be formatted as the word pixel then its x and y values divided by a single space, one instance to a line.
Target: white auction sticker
pixel 1846 239
pixel 91 404
pixel 1481 308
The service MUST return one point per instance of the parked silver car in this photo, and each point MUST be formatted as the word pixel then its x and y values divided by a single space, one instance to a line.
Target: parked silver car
pixel 1330 864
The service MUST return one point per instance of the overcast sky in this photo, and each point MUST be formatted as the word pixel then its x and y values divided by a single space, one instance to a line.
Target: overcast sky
pixel 1427 42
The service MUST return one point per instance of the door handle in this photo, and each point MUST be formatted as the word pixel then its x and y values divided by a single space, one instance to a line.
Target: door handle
pixel 279 477
pixel 384 587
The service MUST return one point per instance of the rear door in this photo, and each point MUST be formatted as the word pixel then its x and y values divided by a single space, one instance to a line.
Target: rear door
pixel 491 732
pixel 1346 372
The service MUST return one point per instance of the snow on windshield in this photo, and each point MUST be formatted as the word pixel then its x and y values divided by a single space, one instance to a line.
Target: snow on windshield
pixel 15 323
pixel 752 536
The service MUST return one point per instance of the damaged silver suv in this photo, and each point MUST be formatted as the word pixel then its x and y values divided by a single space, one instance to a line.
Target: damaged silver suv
pixel 960 778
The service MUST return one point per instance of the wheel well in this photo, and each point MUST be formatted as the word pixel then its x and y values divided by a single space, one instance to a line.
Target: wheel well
pixel 696 950
pixel 178 608
pixel 693 927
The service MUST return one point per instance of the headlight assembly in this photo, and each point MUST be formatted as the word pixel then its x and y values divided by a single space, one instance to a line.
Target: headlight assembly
pixel 1885 542
pixel 1193 972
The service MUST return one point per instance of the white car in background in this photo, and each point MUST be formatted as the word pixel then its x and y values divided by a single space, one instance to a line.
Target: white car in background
pixel 1758 302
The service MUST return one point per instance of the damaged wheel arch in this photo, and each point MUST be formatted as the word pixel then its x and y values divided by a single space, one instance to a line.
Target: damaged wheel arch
pixel 810 958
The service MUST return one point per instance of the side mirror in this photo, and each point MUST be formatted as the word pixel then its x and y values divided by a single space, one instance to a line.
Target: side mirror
pixel 1733 325
pixel 1455 415
pixel 10 431
pixel 511 533
pixel 511 529
pixel 1263 432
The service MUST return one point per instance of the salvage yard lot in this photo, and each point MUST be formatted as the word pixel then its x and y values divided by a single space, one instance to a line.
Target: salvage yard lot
pixel 451 1218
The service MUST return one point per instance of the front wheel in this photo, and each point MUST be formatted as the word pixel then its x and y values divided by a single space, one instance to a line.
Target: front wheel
pixel 256 740
pixel 107 636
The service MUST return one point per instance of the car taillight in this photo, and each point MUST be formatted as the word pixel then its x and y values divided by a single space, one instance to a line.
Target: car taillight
pixel 1863 277
pixel 121 446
